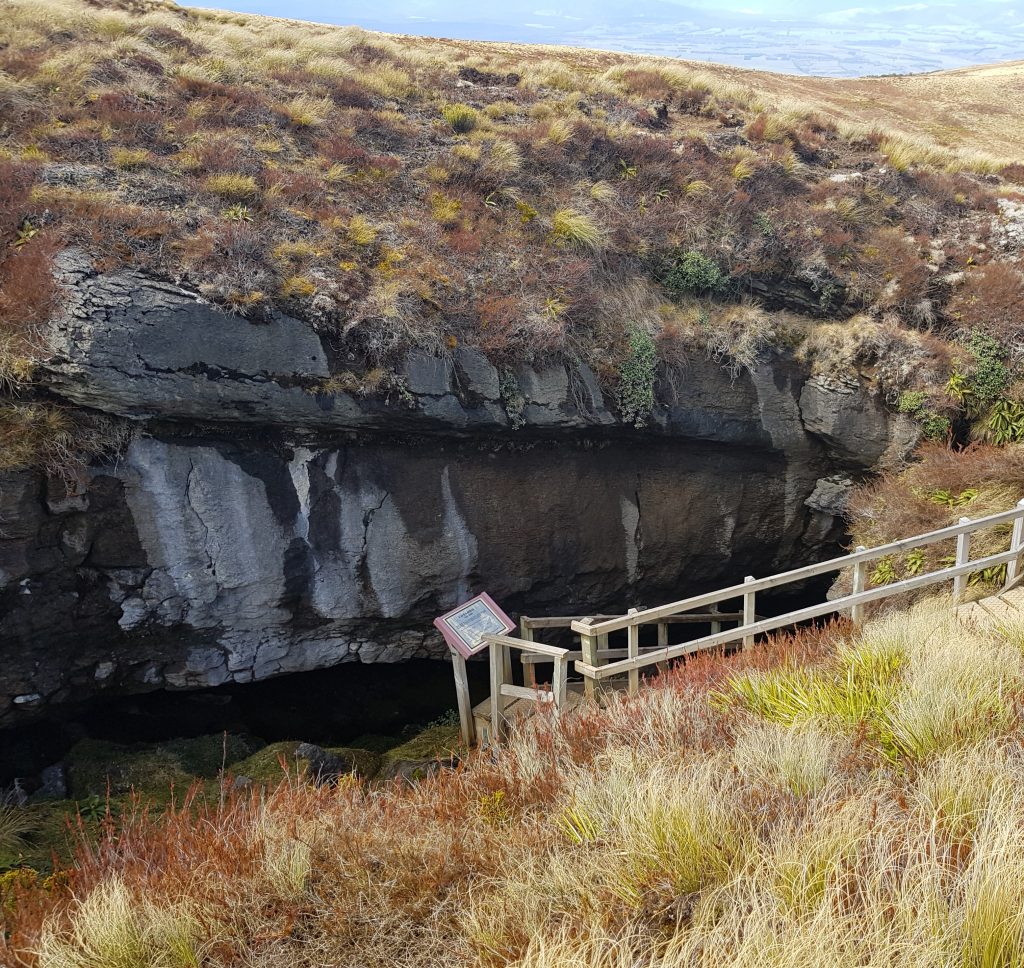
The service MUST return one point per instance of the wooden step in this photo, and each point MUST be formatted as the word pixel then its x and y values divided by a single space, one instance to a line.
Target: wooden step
pixel 520 709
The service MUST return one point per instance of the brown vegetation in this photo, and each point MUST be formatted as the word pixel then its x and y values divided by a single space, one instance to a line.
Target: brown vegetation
pixel 854 797
pixel 560 202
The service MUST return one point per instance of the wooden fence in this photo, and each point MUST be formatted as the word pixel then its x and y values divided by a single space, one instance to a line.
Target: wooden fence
pixel 590 630
pixel 597 662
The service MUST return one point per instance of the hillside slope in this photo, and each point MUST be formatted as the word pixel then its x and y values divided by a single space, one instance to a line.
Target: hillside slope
pixel 531 203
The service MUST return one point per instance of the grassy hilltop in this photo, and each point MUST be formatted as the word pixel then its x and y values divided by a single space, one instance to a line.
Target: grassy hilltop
pixel 533 203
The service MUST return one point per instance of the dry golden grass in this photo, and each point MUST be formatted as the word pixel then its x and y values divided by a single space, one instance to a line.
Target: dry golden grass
pixel 681 827
pixel 353 179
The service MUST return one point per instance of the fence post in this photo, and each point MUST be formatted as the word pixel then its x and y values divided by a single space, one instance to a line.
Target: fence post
pixel 860 580
pixel 588 645
pixel 963 555
pixel 633 652
pixel 529 669
pixel 749 611
pixel 559 677
pixel 462 694
pixel 716 627
pixel 1016 544
pixel 497 699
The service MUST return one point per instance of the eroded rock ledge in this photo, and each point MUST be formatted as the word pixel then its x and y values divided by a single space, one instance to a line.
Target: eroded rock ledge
pixel 255 528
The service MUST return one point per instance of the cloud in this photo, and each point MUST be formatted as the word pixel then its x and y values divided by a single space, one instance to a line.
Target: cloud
pixel 845 16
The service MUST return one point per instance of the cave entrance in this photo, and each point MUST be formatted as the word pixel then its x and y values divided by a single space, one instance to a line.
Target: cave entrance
pixel 373 705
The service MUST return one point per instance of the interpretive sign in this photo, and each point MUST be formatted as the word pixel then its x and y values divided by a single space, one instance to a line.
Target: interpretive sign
pixel 464 627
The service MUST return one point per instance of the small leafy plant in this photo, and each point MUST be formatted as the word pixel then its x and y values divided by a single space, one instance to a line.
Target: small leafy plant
pixel 692 274
pixel 636 378
pixel 934 426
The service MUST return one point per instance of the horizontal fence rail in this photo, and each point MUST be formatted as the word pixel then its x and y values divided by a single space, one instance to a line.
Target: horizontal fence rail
pixel 648 615
pixel 792 618
pixel 594 658
pixel 594 630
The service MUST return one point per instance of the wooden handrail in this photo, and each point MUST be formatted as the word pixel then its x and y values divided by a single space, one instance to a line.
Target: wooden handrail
pixel 593 630
pixel 565 621
pixel 589 627
pixel 501 673
pixel 514 643
pixel 792 618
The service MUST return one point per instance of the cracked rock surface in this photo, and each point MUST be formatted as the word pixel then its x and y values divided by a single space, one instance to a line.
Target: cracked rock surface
pixel 255 528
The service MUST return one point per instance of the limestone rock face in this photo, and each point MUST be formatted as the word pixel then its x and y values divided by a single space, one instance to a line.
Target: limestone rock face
pixel 256 526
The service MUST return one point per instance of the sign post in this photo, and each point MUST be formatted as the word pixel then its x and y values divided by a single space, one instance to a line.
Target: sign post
pixel 463 629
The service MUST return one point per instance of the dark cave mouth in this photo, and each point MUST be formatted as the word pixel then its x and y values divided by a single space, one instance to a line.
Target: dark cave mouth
pixel 372 705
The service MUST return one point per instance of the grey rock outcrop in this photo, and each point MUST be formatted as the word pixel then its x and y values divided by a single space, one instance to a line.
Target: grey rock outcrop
pixel 256 527
pixel 854 425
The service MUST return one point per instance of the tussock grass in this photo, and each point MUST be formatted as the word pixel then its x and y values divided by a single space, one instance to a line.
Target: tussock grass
pixel 572 229
pixel 667 829
pixel 232 187
pixel 903 153
pixel 905 682
pixel 112 928
pixel 461 117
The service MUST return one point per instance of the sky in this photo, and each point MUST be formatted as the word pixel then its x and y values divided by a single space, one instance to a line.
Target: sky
pixel 827 37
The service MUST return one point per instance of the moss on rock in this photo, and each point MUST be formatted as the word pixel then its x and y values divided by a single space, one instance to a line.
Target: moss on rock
pixel 153 770
pixel 364 763
pixel 434 742
pixel 266 764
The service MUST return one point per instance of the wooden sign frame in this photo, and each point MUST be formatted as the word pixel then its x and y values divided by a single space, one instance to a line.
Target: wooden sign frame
pixel 463 627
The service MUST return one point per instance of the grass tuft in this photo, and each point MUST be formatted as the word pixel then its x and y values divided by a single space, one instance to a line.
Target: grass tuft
pixel 571 229
pixel 232 187
pixel 461 117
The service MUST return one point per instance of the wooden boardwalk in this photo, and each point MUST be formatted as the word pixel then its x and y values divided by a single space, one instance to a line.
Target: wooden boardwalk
pixel 994 609
pixel 603 667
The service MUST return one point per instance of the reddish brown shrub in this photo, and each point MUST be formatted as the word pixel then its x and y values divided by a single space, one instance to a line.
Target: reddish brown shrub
pixel 219 154
pixel 130 117
pixel 348 93
pixel 992 299
pixel 83 141
pixel 346 151
pixel 890 270
pixel 1014 173
pixel 170 39
pixel 755 131
pixel 902 504
pixel 16 178
pixel 226 105
pixel 464 240
pixel 295 186
pixel 27 290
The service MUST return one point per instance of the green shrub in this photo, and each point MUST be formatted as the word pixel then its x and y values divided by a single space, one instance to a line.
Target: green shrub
pixel 636 378
pixel 989 376
pixel 692 274
pixel 934 425
pixel 461 117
